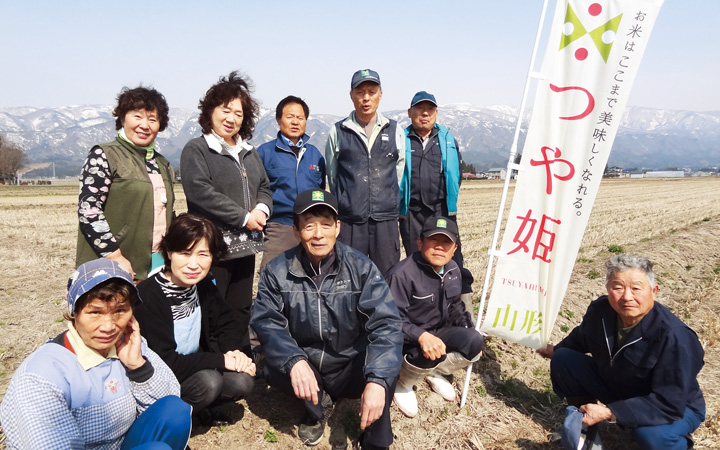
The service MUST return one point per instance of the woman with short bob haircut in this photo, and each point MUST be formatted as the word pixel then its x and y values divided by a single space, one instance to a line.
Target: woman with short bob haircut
pixel 225 181
pixel 96 384
pixel 187 322
pixel 126 194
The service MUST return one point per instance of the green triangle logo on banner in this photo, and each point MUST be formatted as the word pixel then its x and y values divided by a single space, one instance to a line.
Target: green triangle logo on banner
pixel 609 30
pixel 577 29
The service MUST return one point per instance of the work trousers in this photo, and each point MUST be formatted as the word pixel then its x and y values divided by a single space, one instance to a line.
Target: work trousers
pixel 347 382
pixel 207 386
pixel 380 241
pixel 466 341
pixel 164 425
pixel 575 374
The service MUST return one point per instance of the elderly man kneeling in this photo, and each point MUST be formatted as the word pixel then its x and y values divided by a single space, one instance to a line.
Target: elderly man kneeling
pixel 642 365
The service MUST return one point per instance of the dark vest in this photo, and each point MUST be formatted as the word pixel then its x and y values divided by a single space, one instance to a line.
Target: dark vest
pixel 129 206
pixel 367 187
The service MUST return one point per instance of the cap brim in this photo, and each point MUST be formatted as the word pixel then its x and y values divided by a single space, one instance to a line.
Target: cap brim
pixel 317 204
pixel 446 233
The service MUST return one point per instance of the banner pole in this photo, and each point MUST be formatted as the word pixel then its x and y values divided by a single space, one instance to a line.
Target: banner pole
pixel 510 166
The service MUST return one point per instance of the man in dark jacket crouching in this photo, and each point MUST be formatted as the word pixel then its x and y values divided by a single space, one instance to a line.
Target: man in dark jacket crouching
pixel 328 325
pixel 642 365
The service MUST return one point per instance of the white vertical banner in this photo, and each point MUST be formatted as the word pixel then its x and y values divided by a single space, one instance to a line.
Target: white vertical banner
pixel 593 54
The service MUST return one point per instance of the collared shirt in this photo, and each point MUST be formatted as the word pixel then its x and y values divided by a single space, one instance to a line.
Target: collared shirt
pixel 300 142
pixel 86 356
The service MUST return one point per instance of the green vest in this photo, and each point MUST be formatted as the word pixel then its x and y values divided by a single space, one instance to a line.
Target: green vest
pixel 129 208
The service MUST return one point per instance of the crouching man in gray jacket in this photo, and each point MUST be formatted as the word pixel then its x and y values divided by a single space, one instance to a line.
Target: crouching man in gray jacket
pixel 328 325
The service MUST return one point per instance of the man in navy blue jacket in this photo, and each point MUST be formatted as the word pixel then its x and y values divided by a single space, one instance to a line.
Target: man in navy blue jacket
pixel 642 365
pixel 292 166
pixel 328 325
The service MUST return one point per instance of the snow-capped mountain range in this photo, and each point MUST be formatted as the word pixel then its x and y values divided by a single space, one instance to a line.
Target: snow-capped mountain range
pixel 649 138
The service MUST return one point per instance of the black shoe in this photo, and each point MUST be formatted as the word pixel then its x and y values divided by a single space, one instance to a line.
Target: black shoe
pixel 210 417
pixel 310 431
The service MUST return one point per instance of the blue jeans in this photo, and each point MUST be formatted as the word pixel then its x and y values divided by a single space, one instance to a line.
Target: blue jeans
pixel 164 425
pixel 574 374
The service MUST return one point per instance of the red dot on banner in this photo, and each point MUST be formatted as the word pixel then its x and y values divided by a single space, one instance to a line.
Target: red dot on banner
pixel 581 54
pixel 595 9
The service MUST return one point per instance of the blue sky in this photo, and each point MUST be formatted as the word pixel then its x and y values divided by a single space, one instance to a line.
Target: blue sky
pixel 82 52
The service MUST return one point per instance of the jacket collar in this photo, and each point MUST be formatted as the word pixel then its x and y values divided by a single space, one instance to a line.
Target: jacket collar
pixel 296 268
pixel 215 146
pixel 282 144
pixel 351 121
pixel 424 265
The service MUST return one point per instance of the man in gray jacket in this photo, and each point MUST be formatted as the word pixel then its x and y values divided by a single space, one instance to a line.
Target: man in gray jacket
pixel 328 325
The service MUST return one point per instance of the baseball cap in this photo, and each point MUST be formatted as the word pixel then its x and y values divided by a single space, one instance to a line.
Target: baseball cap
pixel 423 96
pixel 314 197
pixel 362 76
pixel 440 225
pixel 92 273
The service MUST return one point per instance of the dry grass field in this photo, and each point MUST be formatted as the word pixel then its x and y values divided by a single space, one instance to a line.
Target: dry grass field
pixel 675 222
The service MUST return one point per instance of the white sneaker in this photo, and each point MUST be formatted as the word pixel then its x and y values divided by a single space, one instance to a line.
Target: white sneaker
pixel 441 385
pixel 406 400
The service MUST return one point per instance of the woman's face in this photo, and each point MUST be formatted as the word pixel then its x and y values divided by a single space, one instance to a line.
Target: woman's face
pixel 101 324
pixel 141 126
pixel 190 266
pixel 227 119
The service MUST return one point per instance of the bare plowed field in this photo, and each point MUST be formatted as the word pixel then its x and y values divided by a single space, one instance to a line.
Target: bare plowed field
pixel 675 222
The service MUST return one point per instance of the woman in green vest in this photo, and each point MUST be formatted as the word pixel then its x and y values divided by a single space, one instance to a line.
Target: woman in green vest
pixel 126 193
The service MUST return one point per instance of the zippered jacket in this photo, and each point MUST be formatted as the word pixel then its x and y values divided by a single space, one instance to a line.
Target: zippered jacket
pixel 654 374
pixel 352 311
pixel 290 175
pixel 450 170
pixel 219 187
pixel 426 300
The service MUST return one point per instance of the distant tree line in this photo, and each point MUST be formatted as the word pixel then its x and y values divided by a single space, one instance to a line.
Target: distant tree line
pixel 12 159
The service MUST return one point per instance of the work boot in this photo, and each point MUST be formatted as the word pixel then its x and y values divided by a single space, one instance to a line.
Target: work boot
pixel 310 431
pixel 453 362
pixel 404 395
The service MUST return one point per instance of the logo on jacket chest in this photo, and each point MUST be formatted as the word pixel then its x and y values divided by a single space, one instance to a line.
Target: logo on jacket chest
pixel 112 386
pixel 315 167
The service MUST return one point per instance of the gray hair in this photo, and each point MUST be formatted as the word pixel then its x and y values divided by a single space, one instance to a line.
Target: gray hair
pixel 621 263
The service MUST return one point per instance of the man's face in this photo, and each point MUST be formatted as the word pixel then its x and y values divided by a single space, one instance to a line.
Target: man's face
pixel 423 116
pixel 630 295
pixel 436 249
pixel 317 233
pixel 292 122
pixel 366 99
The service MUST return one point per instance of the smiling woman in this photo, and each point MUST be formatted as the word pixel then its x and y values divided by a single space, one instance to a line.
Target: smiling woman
pixel 187 322
pixel 127 226
pixel 224 181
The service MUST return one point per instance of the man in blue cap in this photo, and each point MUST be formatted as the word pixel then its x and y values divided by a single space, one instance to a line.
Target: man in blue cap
pixel 365 159
pixel 431 181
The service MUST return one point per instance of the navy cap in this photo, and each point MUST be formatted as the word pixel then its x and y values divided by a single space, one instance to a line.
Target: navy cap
pixel 92 273
pixel 314 197
pixel 422 96
pixel 440 225
pixel 362 76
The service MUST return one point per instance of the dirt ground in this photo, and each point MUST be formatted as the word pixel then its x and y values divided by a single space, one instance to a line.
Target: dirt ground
pixel 510 401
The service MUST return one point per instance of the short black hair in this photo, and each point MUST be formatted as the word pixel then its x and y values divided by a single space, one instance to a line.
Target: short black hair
pixel 141 98
pixel 288 100
pixel 186 231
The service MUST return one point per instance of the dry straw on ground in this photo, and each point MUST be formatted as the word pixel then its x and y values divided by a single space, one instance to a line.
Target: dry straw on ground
pixel 674 222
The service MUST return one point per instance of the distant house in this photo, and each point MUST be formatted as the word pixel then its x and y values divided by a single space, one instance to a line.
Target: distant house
pixel 665 174
pixel 497 173
pixel 468 176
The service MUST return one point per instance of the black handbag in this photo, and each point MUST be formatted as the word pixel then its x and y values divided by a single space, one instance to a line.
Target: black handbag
pixel 241 242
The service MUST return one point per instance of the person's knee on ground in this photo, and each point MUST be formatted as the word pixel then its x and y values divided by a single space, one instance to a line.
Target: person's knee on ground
pixel 236 385
pixel 202 389
pixel 165 424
